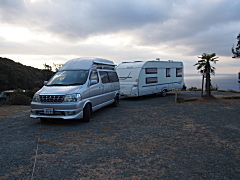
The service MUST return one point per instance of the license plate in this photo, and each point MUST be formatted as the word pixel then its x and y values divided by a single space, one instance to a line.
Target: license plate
pixel 48 110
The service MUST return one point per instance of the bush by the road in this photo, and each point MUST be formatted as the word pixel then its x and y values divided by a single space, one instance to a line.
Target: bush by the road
pixel 19 99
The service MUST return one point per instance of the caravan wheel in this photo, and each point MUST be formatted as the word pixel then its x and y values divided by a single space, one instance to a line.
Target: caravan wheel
pixel 164 93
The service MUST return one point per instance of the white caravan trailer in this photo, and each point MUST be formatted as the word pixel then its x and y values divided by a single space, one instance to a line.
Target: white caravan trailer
pixel 149 77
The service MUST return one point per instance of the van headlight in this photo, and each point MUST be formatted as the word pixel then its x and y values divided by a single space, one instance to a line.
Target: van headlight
pixel 36 98
pixel 72 98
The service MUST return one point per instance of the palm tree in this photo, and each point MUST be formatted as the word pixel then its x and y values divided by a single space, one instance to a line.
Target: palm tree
pixel 236 54
pixel 205 68
pixel 236 51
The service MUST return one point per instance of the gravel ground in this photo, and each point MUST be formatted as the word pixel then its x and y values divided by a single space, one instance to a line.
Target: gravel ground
pixel 144 138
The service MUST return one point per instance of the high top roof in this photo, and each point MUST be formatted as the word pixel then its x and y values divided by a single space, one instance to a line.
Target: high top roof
pixel 85 63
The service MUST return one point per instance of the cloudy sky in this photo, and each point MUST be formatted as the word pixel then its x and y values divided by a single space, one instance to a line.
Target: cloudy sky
pixel 34 32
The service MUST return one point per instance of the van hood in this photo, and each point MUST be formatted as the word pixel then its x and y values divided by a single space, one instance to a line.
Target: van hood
pixel 59 90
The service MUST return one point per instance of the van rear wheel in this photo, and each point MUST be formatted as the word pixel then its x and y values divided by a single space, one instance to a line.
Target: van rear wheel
pixel 87 113
pixel 116 101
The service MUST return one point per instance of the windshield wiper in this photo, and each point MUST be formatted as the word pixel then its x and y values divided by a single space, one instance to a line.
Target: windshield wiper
pixel 56 85
pixel 74 84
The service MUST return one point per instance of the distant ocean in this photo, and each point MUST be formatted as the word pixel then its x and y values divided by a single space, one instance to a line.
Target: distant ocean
pixel 222 81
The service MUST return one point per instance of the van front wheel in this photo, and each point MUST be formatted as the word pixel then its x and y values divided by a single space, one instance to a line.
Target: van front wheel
pixel 43 120
pixel 87 113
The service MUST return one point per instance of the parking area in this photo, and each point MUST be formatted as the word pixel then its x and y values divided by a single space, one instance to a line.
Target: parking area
pixel 144 138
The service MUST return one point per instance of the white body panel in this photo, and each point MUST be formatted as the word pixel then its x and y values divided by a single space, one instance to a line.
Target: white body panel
pixel 149 77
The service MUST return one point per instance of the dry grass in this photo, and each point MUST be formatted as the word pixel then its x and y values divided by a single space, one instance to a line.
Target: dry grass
pixel 9 110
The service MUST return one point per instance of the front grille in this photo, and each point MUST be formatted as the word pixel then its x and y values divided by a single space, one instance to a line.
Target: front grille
pixel 52 98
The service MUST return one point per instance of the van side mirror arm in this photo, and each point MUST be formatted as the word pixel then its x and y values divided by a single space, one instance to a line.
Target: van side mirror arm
pixel 92 82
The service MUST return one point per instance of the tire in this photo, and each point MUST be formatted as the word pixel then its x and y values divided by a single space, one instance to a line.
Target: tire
pixel 164 93
pixel 43 120
pixel 116 101
pixel 87 113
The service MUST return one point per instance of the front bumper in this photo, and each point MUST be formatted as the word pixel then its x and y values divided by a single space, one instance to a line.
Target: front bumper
pixel 67 110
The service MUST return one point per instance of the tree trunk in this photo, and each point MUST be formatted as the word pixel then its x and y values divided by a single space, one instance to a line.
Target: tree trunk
pixel 202 84
pixel 208 83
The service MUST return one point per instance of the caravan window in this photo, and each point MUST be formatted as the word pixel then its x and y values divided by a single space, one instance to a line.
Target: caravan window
pixel 151 70
pixel 178 72
pixel 150 80
pixel 168 72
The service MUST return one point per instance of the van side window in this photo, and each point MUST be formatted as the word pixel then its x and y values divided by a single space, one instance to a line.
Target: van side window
pixel 113 76
pixel 150 80
pixel 168 72
pixel 178 72
pixel 151 71
pixel 104 77
pixel 94 76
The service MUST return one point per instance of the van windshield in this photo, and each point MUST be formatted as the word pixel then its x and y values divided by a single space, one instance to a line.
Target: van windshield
pixel 68 78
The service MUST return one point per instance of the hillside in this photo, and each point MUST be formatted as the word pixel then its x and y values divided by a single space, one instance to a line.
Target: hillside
pixel 16 75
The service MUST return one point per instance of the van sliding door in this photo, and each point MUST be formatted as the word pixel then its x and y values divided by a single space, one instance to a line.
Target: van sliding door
pixel 107 86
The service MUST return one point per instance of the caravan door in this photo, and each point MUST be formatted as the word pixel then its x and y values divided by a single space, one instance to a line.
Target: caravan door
pixel 128 78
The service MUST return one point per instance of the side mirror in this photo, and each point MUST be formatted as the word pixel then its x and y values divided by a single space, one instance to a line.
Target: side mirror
pixel 45 83
pixel 93 82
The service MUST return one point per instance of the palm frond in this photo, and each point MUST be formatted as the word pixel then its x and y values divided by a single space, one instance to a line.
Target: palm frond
pixel 204 63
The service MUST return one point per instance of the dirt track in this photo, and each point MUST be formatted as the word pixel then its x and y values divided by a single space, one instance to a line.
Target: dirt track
pixel 145 138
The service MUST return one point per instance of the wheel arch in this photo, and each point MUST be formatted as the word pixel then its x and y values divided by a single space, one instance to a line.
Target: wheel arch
pixel 88 102
pixel 117 94
pixel 164 88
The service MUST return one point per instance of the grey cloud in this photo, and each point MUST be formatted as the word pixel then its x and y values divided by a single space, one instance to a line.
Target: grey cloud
pixel 12 6
pixel 102 17
pixel 198 25
pixel 152 22
pixel 79 19
pixel 13 12
pixel 192 19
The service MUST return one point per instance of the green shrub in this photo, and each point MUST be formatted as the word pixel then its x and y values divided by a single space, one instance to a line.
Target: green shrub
pixel 184 88
pixel 194 89
pixel 30 93
pixel 18 99
pixel 214 88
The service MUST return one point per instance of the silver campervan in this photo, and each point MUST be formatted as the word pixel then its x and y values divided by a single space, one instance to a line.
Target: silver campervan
pixel 80 87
